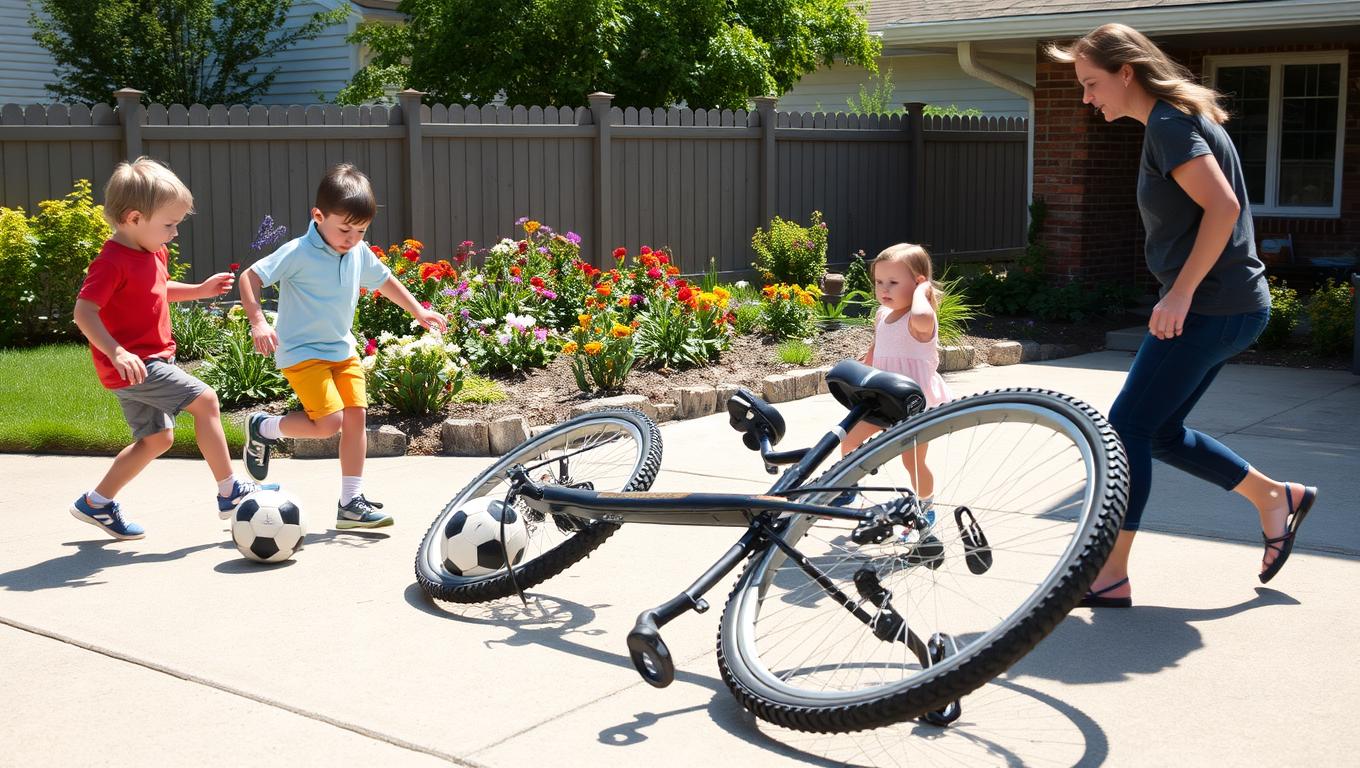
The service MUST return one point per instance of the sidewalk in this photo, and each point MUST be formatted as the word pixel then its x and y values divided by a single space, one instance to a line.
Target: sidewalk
pixel 174 650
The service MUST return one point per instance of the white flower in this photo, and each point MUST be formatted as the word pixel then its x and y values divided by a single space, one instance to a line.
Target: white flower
pixel 503 338
pixel 741 284
pixel 487 322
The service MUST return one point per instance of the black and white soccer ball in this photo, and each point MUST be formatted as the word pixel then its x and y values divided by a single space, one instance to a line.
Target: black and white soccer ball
pixel 471 543
pixel 268 527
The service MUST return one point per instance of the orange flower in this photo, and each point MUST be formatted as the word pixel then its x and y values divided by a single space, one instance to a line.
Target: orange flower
pixel 569 348
pixel 604 289
pixel 620 331
pixel 593 348
pixel 584 320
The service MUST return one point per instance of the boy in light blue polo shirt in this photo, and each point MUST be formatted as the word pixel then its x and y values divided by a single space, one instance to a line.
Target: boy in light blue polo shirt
pixel 319 277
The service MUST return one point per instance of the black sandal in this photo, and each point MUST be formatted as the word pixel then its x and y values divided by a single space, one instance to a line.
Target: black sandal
pixel 1283 545
pixel 1095 599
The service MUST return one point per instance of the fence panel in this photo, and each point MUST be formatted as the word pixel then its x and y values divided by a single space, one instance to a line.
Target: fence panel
pixel 700 181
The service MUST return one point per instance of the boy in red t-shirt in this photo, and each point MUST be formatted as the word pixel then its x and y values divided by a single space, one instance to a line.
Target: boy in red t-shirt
pixel 123 309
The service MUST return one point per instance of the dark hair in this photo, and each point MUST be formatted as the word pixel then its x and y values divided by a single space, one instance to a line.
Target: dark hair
pixel 346 191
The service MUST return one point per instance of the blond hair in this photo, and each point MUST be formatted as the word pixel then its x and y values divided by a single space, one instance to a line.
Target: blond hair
pixel 915 259
pixel 1111 46
pixel 144 185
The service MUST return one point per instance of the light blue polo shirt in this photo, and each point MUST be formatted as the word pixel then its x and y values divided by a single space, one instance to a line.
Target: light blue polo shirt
pixel 318 292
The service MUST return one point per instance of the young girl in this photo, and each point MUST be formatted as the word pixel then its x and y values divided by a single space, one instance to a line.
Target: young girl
pixel 906 341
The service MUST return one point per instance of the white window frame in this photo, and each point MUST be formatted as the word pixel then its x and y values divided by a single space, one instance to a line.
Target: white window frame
pixel 1276 62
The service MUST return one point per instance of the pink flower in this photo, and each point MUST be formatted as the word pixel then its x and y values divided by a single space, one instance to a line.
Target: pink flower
pixel 370 347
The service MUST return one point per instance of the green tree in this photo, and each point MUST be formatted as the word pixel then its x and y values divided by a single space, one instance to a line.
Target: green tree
pixel 648 53
pixel 176 51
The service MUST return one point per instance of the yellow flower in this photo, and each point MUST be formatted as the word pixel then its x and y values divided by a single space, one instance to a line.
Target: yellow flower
pixel 584 321
pixel 593 348
pixel 531 227
pixel 620 331
pixel 569 348
pixel 722 293
pixel 624 301
pixel 806 299
pixel 413 243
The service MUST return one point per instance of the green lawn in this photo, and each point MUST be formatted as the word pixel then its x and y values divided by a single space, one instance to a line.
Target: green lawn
pixel 52 402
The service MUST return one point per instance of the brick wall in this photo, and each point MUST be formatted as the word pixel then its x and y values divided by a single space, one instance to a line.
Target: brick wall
pixel 1086 171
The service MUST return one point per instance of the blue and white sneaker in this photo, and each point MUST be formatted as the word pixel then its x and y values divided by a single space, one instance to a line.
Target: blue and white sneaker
pixel 227 504
pixel 108 517
pixel 255 453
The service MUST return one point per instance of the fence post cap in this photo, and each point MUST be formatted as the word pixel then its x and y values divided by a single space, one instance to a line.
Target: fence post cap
pixel 410 93
pixel 128 93
pixel 600 96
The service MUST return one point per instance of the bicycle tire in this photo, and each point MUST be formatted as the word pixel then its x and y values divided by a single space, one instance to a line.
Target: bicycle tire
pixel 764 688
pixel 440 584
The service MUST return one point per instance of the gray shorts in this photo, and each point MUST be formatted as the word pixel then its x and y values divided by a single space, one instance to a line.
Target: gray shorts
pixel 151 406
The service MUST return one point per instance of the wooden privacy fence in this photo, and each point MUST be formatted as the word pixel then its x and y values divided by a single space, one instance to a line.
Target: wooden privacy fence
pixel 699 181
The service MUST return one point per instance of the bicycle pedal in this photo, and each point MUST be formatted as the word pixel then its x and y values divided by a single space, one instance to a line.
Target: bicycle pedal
pixel 887 624
pixel 929 551
pixel 977 553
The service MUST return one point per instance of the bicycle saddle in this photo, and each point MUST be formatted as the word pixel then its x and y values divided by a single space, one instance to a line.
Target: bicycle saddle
pixel 891 397
pixel 751 416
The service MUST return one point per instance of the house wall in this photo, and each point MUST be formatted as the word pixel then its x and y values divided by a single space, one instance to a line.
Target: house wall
pixel 25 68
pixel 931 79
pixel 320 66
pixel 1086 171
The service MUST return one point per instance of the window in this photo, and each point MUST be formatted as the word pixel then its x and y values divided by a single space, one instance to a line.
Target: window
pixel 1288 122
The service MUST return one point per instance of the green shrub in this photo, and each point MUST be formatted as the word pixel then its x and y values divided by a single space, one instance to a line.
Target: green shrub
pixel 857 277
pixel 1332 312
pixel 238 373
pixel 477 389
pixel 602 352
pixel 516 344
pixel 794 352
pixel 791 253
pixel 789 311
pixel 416 375
pixel 675 333
pixel 954 311
pixel 746 317
pixel 45 258
pixel 1286 309
pixel 197 330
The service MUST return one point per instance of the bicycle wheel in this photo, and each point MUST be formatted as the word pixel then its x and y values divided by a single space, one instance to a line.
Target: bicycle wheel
pixel 608 450
pixel 1029 492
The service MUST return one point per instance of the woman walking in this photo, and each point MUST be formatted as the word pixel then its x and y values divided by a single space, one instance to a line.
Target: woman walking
pixel 1214 301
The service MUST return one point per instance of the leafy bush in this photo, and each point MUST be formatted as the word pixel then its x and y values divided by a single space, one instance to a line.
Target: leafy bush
pixel 747 316
pixel 686 330
pixel 477 389
pixel 789 311
pixel 517 344
pixel 794 351
pixel 857 277
pixel 1286 309
pixel 854 308
pixel 197 330
pixel 240 376
pixel 954 311
pixel 602 352
pixel 376 314
pixel 415 375
pixel 1332 312
pixel 45 258
pixel 791 253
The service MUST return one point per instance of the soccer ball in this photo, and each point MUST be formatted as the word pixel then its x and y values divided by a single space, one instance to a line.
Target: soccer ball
pixel 267 527
pixel 472 538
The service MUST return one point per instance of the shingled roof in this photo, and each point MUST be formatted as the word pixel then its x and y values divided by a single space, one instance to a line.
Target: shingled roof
pixel 884 13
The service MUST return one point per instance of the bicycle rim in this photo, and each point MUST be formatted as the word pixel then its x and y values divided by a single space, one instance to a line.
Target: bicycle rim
pixel 612 450
pixel 1041 476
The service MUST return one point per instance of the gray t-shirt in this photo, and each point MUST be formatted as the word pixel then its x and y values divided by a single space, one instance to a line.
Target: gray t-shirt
pixel 1236 283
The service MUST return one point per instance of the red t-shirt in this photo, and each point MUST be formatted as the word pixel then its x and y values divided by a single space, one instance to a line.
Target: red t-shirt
pixel 128 286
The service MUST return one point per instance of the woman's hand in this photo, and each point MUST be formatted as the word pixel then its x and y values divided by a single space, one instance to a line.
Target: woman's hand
pixel 1168 317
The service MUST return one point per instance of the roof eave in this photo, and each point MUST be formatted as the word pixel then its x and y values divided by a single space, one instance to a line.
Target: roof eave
pixel 1278 14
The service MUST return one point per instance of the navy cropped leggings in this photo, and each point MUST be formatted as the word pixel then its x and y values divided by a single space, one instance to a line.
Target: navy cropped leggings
pixel 1167 378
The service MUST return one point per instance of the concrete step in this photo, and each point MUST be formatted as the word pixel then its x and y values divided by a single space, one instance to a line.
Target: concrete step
pixel 1125 339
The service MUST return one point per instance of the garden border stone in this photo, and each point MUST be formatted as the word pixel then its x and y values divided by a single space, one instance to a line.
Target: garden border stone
pixel 465 437
pixel 383 441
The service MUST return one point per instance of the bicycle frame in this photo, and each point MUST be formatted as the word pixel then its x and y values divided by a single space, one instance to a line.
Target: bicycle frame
pixel 765 516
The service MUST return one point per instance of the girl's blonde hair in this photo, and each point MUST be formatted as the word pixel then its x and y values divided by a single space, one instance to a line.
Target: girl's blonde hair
pixel 144 185
pixel 1111 46
pixel 916 260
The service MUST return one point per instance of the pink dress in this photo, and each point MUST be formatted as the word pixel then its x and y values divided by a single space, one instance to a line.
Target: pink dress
pixel 895 350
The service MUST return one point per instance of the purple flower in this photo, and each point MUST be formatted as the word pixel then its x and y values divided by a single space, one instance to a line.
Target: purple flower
pixel 464 312
pixel 547 294
pixel 545 230
pixel 268 234
pixel 635 299
pixel 573 238
pixel 541 334
pixel 449 292
pixel 521 221
pixel 516 279
pixel 543 249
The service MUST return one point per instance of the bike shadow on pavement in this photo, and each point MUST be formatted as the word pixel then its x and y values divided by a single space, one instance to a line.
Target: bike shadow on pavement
pixel 79 568
pixel 1141 640
pixel 550 622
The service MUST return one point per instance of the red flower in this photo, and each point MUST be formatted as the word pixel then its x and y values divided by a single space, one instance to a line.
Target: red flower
pixel 376 250
pixel 684 294
pixel 514 271
pixel 370 347
pixel 644 250
pixel 654 273
pixel 233 266
pixel 536 281
pixel 523 246
pixel 411 255
pixel 425 304
pixel 663 258
pixel 620 252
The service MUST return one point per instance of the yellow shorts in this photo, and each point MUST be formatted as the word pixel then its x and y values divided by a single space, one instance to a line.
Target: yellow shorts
pixel 326 386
